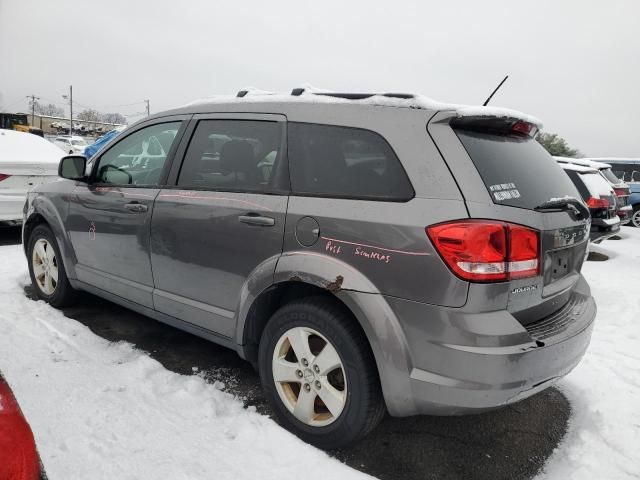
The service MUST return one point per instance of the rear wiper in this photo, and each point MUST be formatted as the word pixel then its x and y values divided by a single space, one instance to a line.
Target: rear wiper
pixel 576 208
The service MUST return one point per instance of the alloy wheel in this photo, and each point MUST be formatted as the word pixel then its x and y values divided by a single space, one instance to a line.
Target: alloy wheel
pixel 45 266
pixel 309 376
pixel 635 219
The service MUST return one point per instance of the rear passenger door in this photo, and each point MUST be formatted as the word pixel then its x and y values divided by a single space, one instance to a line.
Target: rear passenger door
pixel 222 219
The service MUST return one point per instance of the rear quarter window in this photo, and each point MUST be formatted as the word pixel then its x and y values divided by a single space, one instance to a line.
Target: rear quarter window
pixel 517 171
pixel 344 162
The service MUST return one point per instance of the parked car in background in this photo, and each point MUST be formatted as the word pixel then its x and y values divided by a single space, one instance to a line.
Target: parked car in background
pixel 628 169
pixel 18 455
pixel 368 253
pixel 599 196
pixel 26 161
pixel 70 144
pixel 91 150
pixel 620 188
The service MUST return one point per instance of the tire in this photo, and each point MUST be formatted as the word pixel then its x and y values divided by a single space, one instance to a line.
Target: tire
pixel 48 263
pixel 352 388
pixel 635 218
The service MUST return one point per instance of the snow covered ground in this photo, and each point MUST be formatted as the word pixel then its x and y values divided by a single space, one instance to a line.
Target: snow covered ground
pixel 103 410
pixel 106 410
pixel 603 440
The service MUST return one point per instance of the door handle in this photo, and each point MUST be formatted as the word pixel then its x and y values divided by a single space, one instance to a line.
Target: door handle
pixel 136 207
pixel 256 219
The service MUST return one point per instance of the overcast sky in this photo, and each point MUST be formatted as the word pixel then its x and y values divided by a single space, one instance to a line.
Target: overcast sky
pixel 573 64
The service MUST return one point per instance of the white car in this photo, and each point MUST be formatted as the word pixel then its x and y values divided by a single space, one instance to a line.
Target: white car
pixel 26 161
pixel 71 144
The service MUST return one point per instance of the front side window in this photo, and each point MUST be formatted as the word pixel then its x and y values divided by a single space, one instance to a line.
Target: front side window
pixel 139 158
pixel 234 155
pixel 334 161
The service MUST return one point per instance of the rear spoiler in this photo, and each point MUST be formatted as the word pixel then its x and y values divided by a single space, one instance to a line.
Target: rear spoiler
pixel 497 125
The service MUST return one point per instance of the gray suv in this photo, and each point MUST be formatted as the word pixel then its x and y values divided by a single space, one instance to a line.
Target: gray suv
pixel 367 253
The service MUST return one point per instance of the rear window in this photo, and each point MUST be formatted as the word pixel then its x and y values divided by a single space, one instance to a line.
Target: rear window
pixel 596 185
pixel 628 172
pixel 344 162
pixel 517 171
pixel 609 175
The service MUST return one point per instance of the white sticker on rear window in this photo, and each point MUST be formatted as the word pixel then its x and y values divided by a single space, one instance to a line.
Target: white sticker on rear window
pixel 504 191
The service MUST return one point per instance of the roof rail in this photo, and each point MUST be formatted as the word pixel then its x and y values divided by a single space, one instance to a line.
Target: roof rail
pixel 296 92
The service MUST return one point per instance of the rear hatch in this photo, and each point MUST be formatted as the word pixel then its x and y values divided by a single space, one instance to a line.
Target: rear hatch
pixel 505 175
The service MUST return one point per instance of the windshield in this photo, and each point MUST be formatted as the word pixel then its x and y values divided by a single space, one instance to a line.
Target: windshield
pixel 517 171
pixel 78 142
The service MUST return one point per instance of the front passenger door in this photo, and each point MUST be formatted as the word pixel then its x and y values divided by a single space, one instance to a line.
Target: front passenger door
pixel 109 217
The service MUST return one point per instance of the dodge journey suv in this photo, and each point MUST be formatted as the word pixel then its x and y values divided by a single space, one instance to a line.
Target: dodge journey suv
pixel 367 253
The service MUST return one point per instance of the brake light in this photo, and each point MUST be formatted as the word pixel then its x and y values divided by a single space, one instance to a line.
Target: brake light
pixel 4 176
pixel 486 251
pixel 621 192
pixel 523 128
pixel 596 203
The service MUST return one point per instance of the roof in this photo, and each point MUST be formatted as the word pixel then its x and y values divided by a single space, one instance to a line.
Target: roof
pixel 585 162
pixel 614 159
pixel 309 96
pixel 577 168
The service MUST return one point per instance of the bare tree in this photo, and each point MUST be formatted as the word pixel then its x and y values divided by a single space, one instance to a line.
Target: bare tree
pixel 50 110
pixel 113 118
pixel 89 115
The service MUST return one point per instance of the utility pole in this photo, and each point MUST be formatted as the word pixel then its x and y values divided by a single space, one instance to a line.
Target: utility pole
pixel 71 110
pixel 148 110
pixel 70 97
pixel 33 107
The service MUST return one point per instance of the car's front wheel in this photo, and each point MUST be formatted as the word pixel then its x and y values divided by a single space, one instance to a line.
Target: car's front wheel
pixel 318 372
pixel 46 268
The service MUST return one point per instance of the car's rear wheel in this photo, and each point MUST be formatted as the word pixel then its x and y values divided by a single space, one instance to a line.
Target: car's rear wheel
pixel 635 218
pixel 46 268
pixel 318 372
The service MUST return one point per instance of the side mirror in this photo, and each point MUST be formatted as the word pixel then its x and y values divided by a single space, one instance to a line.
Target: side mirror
pixel 73 167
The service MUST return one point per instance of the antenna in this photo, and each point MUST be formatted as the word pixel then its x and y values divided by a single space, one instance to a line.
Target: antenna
pixel 494 92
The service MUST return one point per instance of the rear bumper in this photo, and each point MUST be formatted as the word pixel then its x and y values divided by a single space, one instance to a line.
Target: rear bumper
pixel 11 206
pixel 469 363
pixel 625 214
pixel 601 229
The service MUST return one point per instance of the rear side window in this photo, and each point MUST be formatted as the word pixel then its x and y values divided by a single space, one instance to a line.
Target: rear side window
pixel 517 171
pixel 236 155
pixel 344 162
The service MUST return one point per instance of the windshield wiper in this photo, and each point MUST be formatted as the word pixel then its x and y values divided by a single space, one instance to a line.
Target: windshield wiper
pixel 576 208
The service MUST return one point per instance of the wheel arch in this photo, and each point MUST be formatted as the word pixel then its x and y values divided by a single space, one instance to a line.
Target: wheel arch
pixel 369 309
pixel 42 211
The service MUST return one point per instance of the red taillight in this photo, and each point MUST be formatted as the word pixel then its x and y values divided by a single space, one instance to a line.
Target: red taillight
pixel 18 456
pixel 523 252
pixel 621 192
pixel 522 128
pixel 597 203
pixel 485 251
pixel 4 176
